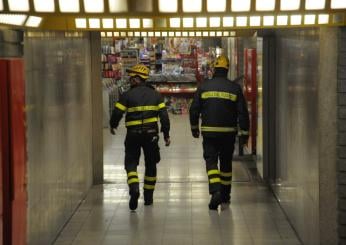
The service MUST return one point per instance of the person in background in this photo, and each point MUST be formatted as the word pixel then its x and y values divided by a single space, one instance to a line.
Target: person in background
pixel 222 107
pixel 143 106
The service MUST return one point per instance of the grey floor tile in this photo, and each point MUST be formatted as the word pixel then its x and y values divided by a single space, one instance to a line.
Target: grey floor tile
pixel 180 213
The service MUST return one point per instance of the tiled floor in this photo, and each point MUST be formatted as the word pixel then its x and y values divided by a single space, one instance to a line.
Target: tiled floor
pixel 180 213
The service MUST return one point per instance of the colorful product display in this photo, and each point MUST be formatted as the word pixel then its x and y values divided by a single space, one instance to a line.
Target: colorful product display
pixel 177 65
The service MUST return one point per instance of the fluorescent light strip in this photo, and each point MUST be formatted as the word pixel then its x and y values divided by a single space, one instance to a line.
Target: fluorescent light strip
pixel 109 34
pixel 33 21
pixel 282 20
pixel 174 22
pixel 338 4
pixel 198 34
pixel 214 21
pixel 103 34
pixel 315 4
pixel 191 34
pixel 117 6
pixel 157 34
pixel 255 21
pixel 144 34
pixel 151 34
pixel 13 19
pixel 219 34
pixel 228 21
pixel 265 5
pixel 69 6
pixel 116 34
pixel 123 34
pixel 216 5
pixel 93 6
pixel 192 6
pixel 147 23
pixel 1 5
pixel 44 5
pixel 205 34
pixel 81 23
pixel 323 19
pixel 296 19
pixel 18 5
pixel 130 34
pixel 309 19
pixel 185 34
pixel 201 22
pixel 94 23
pixel 289 4
pixel 137 34
pixel 135 23
pixel 188 22
pixel 268 20
pixel 108 23
pixel 168 6
pixel 164 34
pixel 178 34
pixel 241 21
pixel 121 23
pixel 241 5
pixel 171 34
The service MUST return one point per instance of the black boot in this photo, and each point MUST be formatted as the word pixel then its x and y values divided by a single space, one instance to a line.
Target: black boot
pixel 148 197
pixel 134 195
pixel 215 201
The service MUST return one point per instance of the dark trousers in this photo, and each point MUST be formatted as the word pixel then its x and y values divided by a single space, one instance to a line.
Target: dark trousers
pixel 215 150
pixel 133 144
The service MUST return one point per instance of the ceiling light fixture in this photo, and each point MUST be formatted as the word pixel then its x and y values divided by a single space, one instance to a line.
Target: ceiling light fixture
pixel 255 21
pixel 118 6
pixel 18 5
pixel 241 5
pixel 44 5
pixel 168 6
pixel 13 19
pixel 289 4
pixel 93 6
pixel 338 4
pixel 33 21
pixel 216 5
pixel 190 6
pixel 108 23
pixel 265 5
pixel 94 23
pixel 80 23
pixel 69 6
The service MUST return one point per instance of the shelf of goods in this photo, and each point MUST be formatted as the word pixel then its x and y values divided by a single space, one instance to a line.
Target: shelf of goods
pixel 111 66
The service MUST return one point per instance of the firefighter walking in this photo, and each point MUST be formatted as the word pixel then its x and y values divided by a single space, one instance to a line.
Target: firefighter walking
pixel 143 107
pixel 222 107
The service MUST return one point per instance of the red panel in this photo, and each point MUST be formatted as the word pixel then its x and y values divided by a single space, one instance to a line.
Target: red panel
pixel 250 61
pixel 18 150
pixel 5 197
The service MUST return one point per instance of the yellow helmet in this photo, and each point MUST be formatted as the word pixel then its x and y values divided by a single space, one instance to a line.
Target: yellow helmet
pixel 138 70
pixel 221 62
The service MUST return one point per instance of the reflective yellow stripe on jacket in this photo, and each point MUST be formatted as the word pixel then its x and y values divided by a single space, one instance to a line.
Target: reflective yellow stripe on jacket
pixel 140 122
pixel 218 129
pixel 219 95
pixel 120 106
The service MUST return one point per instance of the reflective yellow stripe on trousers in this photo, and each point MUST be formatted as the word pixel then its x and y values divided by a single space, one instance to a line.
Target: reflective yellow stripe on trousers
pixel 140 122
pixel 218 129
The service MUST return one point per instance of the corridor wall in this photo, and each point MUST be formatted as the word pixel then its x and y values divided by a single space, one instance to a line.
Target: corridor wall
pixel 59 125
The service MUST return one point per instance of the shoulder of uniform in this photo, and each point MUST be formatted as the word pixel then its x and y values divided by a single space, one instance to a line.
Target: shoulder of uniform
pixel 150 86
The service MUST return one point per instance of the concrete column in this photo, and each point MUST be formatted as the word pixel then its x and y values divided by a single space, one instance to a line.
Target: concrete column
pixel 327 109
pixel 96 101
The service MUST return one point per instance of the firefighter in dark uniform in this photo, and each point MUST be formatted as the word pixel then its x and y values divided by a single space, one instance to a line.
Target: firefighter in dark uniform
pixel 143 106
pixel 222 106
